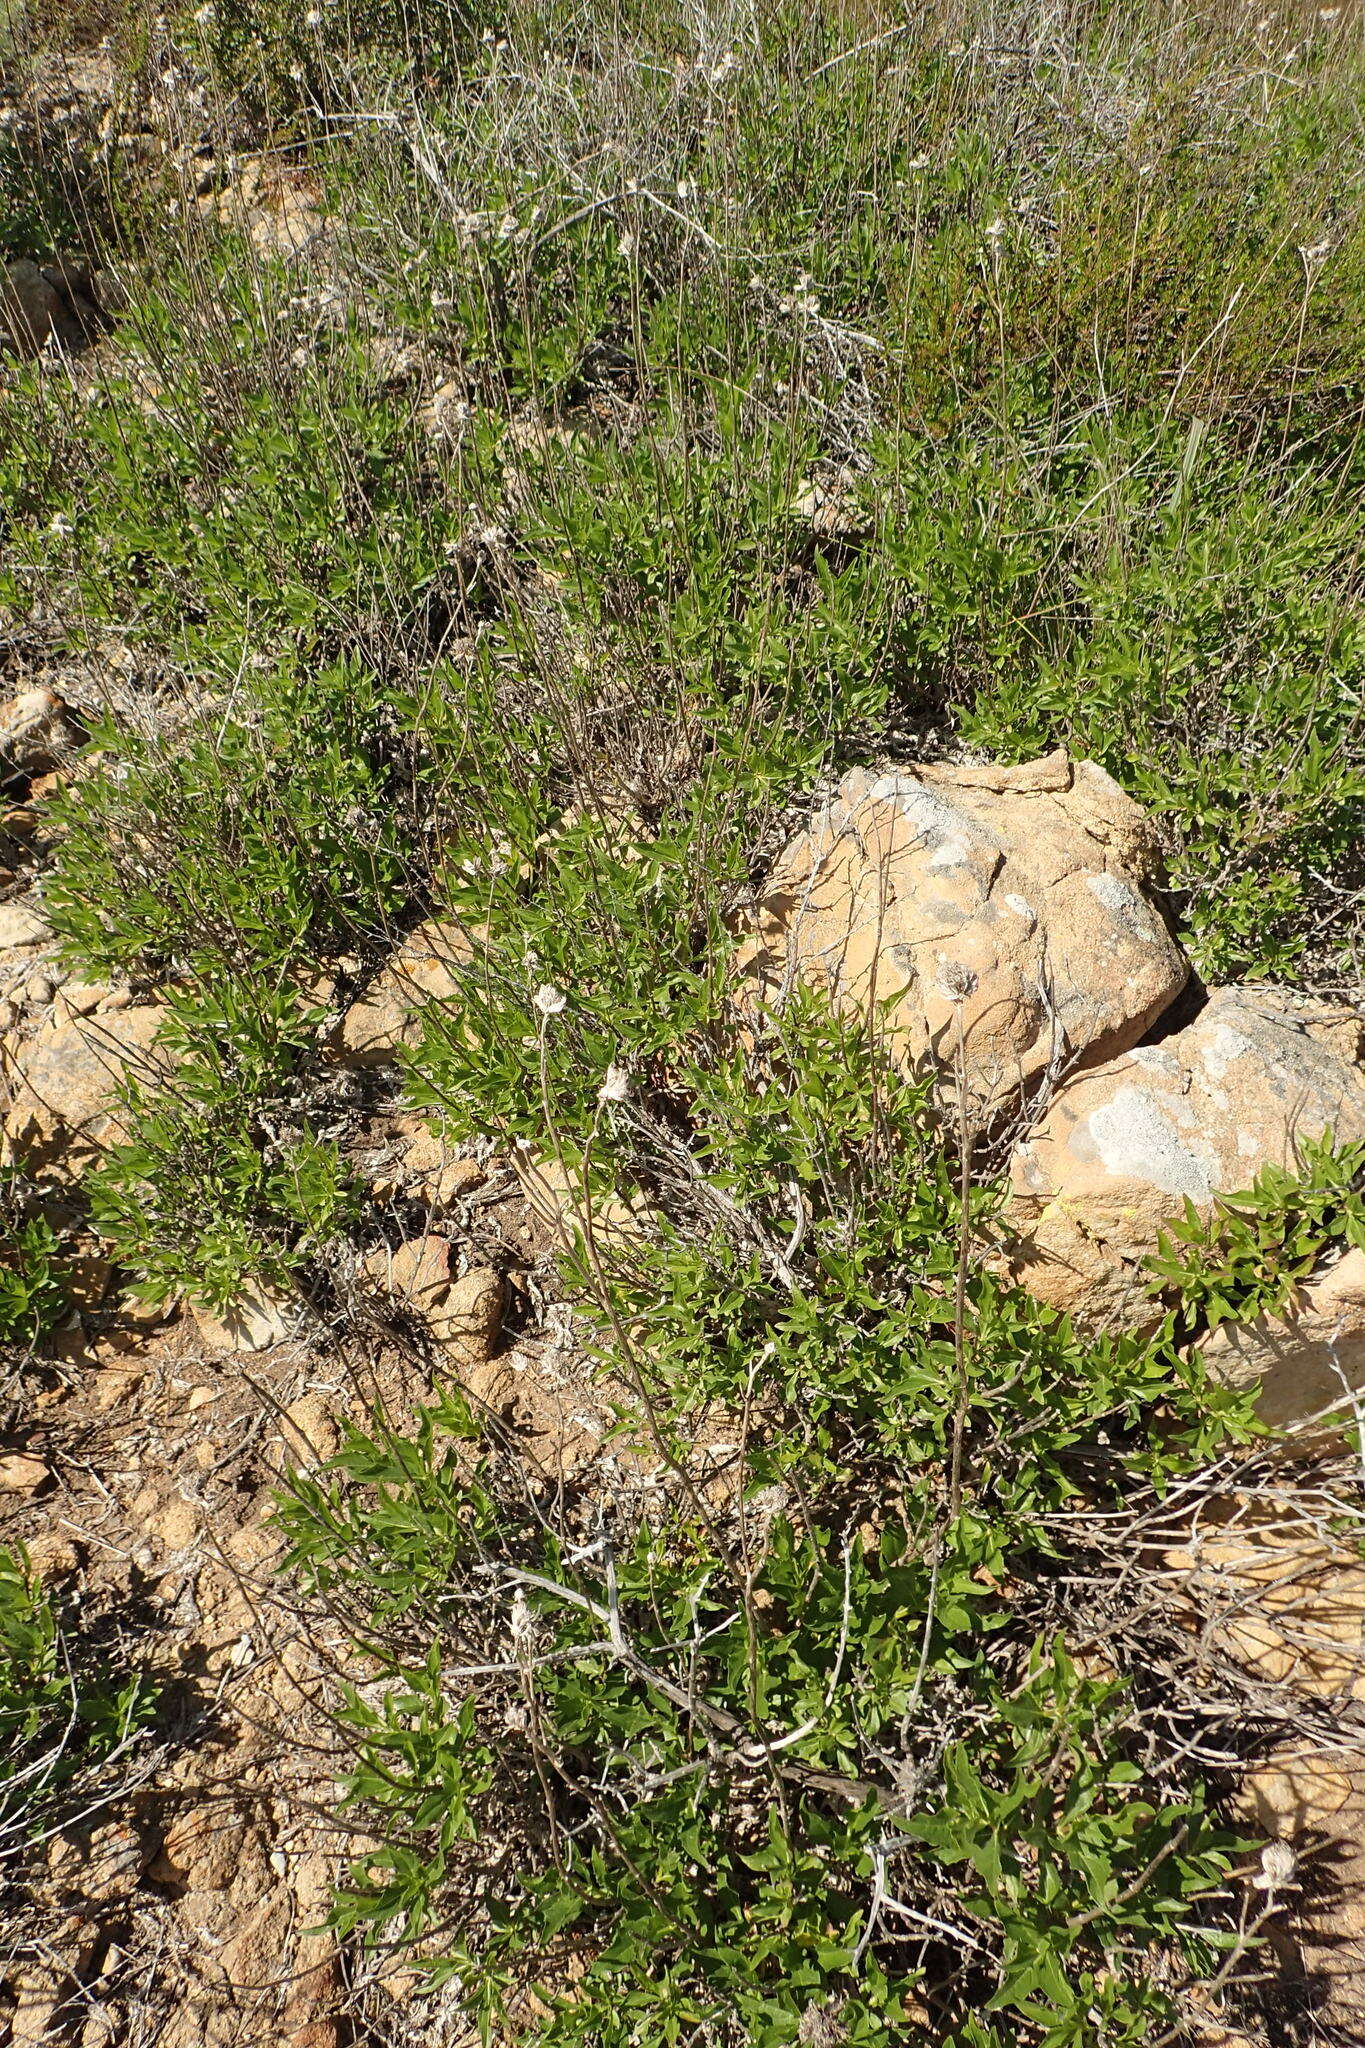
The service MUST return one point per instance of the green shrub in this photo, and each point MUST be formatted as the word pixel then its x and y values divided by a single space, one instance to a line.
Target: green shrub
pixel 56 1720
pixel 832 1684
pixel 221 1181
pixel 33 1298
pixel 1247 1256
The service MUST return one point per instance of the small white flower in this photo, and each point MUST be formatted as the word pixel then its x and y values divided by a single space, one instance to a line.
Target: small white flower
pixel 721 71
pixel 627 246
pixel 1316 253
pixel 616 1086
pixel 919 163
pixel 313 18
pixel 550 1000
pixel 687 188
pixel 206 16
pixel 61 525
pixel 995 230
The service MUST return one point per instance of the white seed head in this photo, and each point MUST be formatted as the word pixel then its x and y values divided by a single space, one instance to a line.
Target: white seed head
pixel 955 981
pixel 550 1000
pixel 1278 1863
pixel 616 1086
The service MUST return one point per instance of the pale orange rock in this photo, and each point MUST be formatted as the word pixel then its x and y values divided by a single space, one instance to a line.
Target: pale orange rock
pixel 1124 1145
pixel 203 1848
pixel 1281 1603
pixel 464 1313
pixel 1315 1804
pixel 426 1168
pixel 35 732
pixel 64 1081
pixel 555 1193
pixel 20 1473
pixel 1009 902
pixel 257 1320
pixel 388 1015
pixel 1310 1357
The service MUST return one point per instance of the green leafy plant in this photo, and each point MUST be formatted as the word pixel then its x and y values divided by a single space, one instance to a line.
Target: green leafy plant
pixel 55 1721
pixel 1251 1251
pixel 33 1298
pixel 827 1686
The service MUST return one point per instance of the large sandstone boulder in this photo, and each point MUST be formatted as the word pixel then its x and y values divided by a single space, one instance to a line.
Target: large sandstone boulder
pixel 63 1085
pixel 1013 898
pixel 1307 1359
pixel 1123 1146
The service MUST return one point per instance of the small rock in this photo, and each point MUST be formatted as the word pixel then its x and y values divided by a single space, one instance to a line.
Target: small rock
pixel 388 1016
pixel 1007 904
pixel 556 1196
pixel 22 925
pixel 64 1110
pixel 53 1556
pixel 426 1169
pixel 1308 1358
pixel 71 1344
pixel 20 1473
pixel 1123 1145
pixel 36 734
pixel 82 999
pixel 469 1317
pixel 33 311
pixel 116 1383
pixel 103 1865
pixel 464 1314
pixel 203 1849
pixel 309 1431
pixel 256 1321
pixel 173 1523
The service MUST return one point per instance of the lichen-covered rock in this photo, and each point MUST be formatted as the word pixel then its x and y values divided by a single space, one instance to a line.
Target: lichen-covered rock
pixel 1123 1146
pixel 1007 901
pixel 63 1085
pixel 1307 1359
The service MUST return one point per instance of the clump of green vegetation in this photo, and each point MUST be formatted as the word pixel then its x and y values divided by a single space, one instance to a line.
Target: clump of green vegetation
pixel 809 1738
pixel 33 1299
pixel 1249 1254
pixel 55 1723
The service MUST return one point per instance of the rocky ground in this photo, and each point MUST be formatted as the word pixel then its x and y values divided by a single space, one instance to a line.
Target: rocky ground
pixel 1015 918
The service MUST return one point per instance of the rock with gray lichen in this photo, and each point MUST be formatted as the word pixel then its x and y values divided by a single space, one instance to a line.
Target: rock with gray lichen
pixel 997 916
pixel 1123 1146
